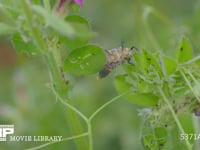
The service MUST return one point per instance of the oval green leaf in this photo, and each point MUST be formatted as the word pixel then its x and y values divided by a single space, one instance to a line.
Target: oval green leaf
pixel 144 99
pixel 85 60
pixel 81 26
pixel 170 65
pixel 184 52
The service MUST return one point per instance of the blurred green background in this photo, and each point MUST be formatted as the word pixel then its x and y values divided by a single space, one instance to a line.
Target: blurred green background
pixel 26 101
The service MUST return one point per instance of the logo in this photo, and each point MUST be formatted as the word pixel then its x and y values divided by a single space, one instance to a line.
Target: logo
pixel 5 130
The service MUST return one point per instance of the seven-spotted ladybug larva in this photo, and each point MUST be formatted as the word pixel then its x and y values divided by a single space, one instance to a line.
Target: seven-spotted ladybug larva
pixel 115 57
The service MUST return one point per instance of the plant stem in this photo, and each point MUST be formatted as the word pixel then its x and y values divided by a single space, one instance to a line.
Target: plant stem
pixel 47 5
pixel 175 118
pixel 71 107
pixel 54 71
pixel 106 104
pixel 188 83
pixel 90 138
pixel 36 35
pixel 191 60
pixel 89 123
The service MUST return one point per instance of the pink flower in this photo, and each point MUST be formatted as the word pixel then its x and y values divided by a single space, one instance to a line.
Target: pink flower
pixel 62 2
pixel 78 2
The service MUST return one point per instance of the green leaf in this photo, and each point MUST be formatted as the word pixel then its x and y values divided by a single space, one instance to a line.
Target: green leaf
pixel 144 99
pixel 129 69
pixel 85 60
pixel 170 65
pixel 75 18
pixel 150 60
pixel 141 62
pixel 24 46
pixel 55 22
pixel 6 29
pixel 121 84
pixel 149 142
pixel 144 59
pixel 81 27
pixel 184 52
pixel 160 132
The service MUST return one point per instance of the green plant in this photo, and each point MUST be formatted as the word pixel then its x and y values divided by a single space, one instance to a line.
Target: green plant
pixel 168 87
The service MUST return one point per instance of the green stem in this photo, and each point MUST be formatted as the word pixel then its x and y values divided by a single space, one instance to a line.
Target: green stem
pixel 188 83
pixel 106 104
pixel 47 5
pixel 35 33
pixel 150 34
pixel 54 72
pixel 191 60
pixel 89 124
pixel 175 118
pixel 57 81
pixel 71 107
pixel 162 17
pixel 196 121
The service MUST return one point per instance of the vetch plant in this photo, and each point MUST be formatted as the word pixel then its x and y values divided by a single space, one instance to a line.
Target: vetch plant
pixel 167 87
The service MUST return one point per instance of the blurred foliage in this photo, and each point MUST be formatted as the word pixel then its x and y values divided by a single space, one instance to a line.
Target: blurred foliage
pixel 28 103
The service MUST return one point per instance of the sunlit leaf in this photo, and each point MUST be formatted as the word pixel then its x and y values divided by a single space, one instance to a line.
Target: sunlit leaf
pixel 184 52
pixel 85 60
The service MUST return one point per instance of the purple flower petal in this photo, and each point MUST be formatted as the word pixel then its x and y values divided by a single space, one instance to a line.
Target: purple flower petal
pixel 62 2
pixel 78 2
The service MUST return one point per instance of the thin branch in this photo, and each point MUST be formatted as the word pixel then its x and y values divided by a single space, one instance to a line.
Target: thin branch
pixel 70 106
pixel 175 118
pixel 106 104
